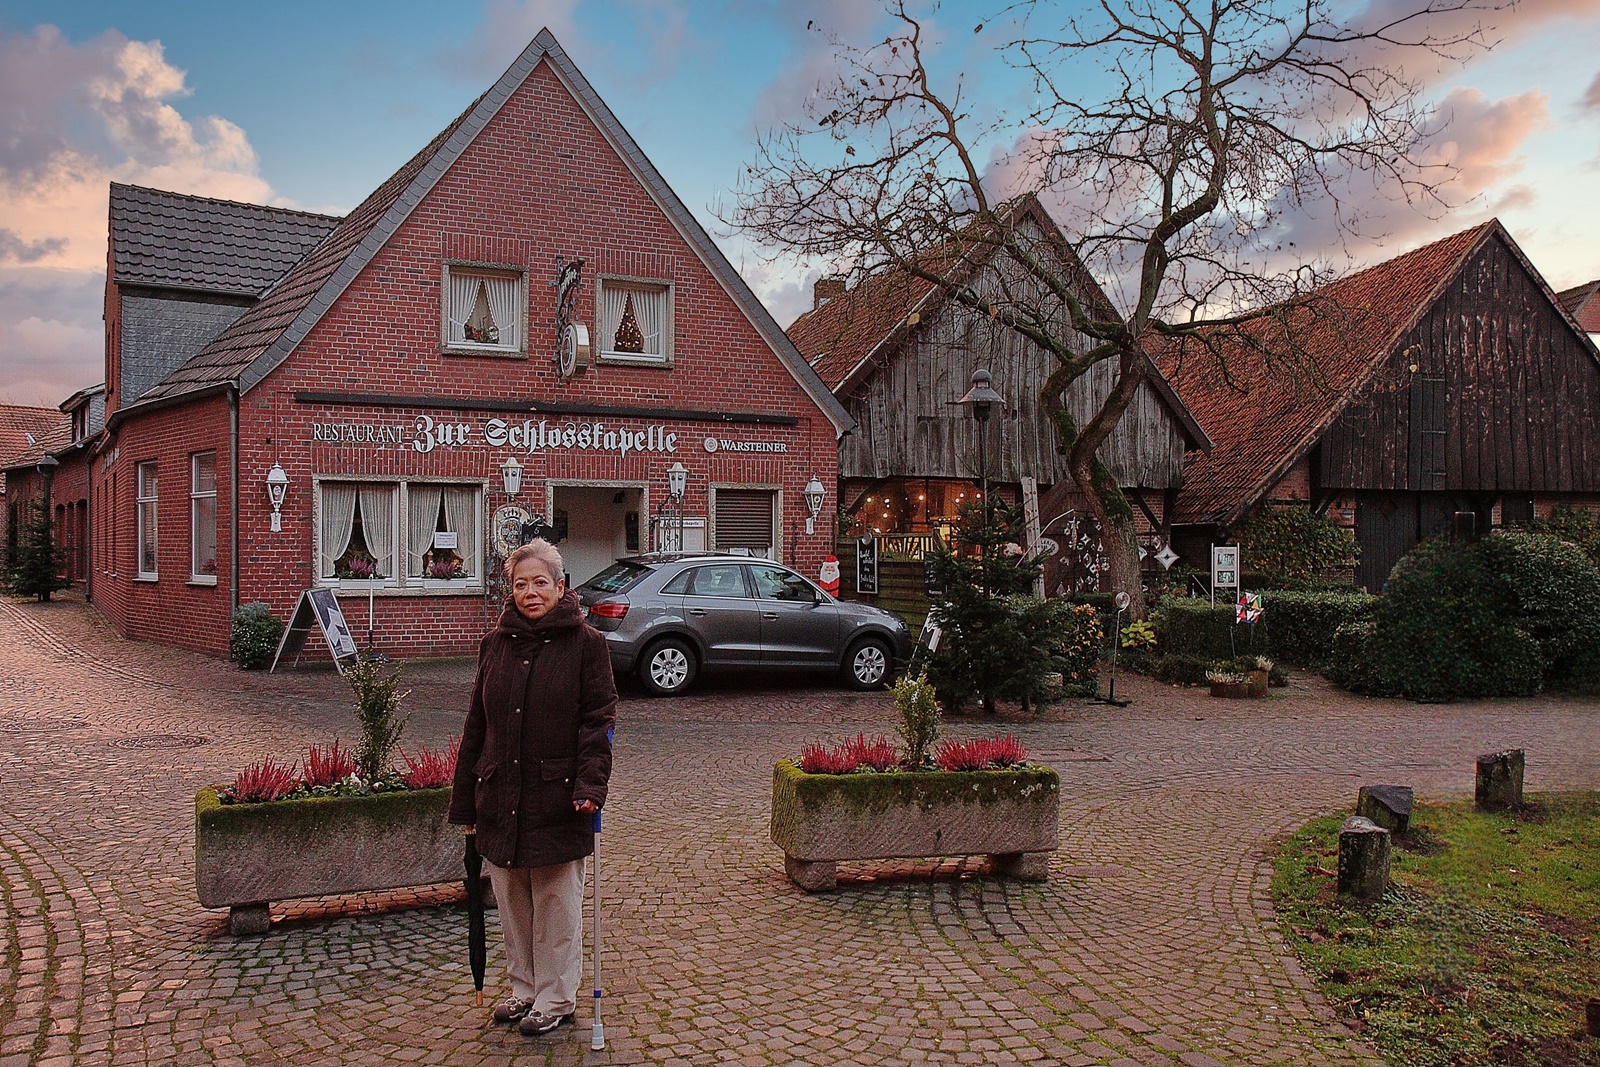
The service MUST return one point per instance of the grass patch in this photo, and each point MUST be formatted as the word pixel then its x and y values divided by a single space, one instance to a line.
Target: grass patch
pixel 1482 952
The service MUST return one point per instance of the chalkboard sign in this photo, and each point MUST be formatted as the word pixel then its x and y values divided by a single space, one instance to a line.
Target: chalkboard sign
pixel 319 608
pixel 867 565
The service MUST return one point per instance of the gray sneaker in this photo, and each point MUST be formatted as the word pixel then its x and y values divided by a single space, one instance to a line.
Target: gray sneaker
pixel 537 1022
pixel 514 1010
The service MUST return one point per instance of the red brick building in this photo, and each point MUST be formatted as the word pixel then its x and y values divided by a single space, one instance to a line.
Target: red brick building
pixel 66 435
pixel 401 370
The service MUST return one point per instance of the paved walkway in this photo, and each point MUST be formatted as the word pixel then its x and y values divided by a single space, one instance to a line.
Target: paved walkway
pixel 1153 942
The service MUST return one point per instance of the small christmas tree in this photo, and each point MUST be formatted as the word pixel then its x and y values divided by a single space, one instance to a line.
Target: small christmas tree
pixel 629 337
pixel 999 642
pixel 35 565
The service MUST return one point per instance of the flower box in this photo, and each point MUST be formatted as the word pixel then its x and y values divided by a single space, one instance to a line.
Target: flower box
pixel 247 855
pixel 1009 815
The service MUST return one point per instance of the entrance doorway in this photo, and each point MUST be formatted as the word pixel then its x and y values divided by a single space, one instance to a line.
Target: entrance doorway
pixel 595 525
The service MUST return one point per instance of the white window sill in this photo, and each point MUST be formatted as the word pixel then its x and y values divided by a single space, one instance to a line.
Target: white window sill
pixel 152 579
pixel 357 589
pixel 467 348
pixel 636 359
pixel 446 585
pixel 203 579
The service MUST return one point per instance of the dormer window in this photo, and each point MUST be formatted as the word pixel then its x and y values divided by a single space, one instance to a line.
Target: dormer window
pixel 483 310
pixel 635 318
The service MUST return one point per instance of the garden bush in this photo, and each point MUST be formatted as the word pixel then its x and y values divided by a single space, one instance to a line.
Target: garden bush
pixel 1191 626
pixel 1300 625
pixel 1180 668
pixel 1576 525
pixel 1499 617
pixel 1293 547
pixel 254 636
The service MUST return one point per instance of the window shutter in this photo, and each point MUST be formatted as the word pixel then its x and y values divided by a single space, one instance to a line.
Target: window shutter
pixel 744 519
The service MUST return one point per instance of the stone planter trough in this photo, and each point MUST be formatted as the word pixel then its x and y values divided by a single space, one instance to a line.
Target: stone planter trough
pixel 247 855
pixel 1009 815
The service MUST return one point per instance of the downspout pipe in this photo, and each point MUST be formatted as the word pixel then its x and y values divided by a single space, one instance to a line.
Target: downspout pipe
pixel 233 504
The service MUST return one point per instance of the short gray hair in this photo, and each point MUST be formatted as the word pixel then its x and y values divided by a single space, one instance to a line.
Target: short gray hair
pixel 541 551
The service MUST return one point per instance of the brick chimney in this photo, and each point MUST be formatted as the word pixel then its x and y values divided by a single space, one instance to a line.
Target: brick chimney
pixel 825 290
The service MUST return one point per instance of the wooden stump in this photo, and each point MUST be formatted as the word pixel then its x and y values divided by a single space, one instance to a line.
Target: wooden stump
pixel 1499 786
pixel 1363 859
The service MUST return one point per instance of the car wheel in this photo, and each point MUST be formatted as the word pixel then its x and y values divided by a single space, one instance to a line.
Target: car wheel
pixel 867 664
pixel 667 668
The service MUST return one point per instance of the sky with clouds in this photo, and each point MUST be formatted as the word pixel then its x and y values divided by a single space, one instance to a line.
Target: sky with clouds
pixel 312 105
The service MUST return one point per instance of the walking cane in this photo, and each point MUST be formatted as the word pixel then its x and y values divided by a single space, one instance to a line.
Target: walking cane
pixel 597 1039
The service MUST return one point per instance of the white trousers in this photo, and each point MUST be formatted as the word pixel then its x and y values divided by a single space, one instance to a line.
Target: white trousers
pixel 541 916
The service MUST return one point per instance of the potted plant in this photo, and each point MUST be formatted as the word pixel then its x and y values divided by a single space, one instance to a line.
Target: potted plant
pixel 338 822
pixel 1245 676
pixel 866 800
pixel 1226 683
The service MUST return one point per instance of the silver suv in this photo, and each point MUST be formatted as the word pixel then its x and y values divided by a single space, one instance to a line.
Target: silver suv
pixel 669 616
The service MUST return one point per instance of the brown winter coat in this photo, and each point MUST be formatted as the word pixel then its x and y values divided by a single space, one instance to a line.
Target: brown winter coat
pixel 536 738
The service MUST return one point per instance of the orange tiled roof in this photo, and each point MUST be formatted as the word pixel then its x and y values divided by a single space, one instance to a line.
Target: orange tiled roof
pixel 1583 304
pixel 1265 410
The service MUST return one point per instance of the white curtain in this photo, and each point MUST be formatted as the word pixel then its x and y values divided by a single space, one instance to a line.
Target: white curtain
pixel 424 513
pixel 461 515
pixel 648 309
pixel 615 300
pixel 503 302
pixel 338 513
pixel 463 297
pixel 377 525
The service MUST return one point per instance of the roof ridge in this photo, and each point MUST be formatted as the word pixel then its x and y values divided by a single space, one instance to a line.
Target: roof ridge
pixel 225 202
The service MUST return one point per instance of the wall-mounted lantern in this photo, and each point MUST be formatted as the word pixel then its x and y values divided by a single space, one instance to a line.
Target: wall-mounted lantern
pixel 511 475
pixel 677 479
pixel 277 488
pixel 815 493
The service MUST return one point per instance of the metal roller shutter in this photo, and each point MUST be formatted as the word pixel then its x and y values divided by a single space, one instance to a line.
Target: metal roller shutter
pixel 745 520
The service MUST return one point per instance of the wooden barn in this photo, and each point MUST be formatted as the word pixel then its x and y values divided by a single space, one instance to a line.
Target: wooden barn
pixel 899 355
pixel 1446 380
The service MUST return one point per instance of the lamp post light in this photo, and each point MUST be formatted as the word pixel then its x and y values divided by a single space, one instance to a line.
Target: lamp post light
pixel 815 493
pixel 277 488
pixel 671 512
pixel 511 475
pixel 980 401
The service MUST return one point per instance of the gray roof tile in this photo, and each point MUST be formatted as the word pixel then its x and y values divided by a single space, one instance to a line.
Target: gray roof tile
pixel 171 240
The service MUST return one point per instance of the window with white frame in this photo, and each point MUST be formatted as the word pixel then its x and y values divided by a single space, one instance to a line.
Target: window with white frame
pixel 410 533
pixel 203 517
pixel 442 532
pixel 483 309
pixel 635 321
pixel 146 507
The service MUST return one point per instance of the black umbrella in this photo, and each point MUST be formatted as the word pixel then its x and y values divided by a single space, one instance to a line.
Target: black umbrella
pixel 477 940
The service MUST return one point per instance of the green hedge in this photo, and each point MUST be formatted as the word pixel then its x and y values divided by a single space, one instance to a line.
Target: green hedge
pixel 1301 625
pixel 1504 616
pixel 1295 627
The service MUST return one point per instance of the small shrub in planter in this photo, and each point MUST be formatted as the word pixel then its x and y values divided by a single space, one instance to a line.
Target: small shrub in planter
pixel 262 783
pixel 919 711
pixel 254 636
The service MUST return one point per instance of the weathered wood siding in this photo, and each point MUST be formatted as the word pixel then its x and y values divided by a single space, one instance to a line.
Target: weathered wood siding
pixel 1505 397
pixel 910 425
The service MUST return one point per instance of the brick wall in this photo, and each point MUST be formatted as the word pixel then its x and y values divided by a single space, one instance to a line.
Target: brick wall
pixel 539 184
pixel 174 609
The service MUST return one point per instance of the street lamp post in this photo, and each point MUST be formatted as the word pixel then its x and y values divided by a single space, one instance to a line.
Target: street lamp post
pixel 980 401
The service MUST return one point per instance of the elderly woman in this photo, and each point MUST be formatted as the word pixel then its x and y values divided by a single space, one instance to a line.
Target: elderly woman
pixel 534 762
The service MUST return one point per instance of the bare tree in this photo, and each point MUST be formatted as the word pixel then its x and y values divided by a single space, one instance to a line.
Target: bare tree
pixel 1218 121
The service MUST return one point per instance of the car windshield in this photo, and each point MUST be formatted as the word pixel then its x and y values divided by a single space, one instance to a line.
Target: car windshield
pixel 617 578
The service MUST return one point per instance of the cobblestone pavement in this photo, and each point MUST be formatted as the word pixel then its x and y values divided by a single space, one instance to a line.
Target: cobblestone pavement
pixel 1153 942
